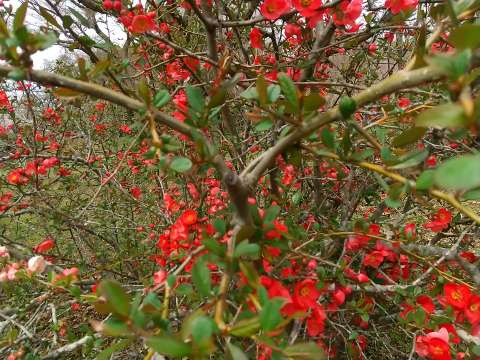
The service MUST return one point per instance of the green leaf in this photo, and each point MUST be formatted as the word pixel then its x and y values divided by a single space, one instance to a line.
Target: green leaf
pixel 312 102
pixel 273 92
pixel 409 136
pixel 476 350
pixel 107 353
pixel 466 36
pixel 305 351
pixel 82 19
pixel 115 296
pixel 144 91
pixel 459 173
pixel 220 225
pixel 328 138
pixel 169 346
pixel 250 273
pixel 201 277
pixel 235 352
pixel 271 214
pixel 443 116
pixel 202 328
pixel 412 159
pixel 263 125
pixel 151 303
pixel 49 17
pixel 473 194
pixel 65 92
pixel 347 106
pixel 246 249
pixel 245 327
pixel 195 98
pixel 250 94
pixel 20 14
pixel 181 164
pixel 17 74
pixel 114 327
pixel 99 68
pixel 425 180
pixel 270 314
pixel 454 65
pixel 67 21
pixel 289 90
pixel 262 90
pixel 161 98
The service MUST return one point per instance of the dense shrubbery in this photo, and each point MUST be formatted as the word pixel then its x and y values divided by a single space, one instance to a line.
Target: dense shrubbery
pixel 262 179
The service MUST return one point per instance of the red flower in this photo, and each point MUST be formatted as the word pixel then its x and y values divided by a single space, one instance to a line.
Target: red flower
pixel 440 221
pixel 472 311
pixel 159 277
pixel 403 103
pixel 136 192
pixel 44 246
pixel 256 38
pixel 273 9
pixel 189 217
pixel 346 13
pixel 434 345
pixel 431 161
pixel 426 303
pixel 143 23
pixel 305 294
pixel 307 8
pixel 372 48
pixel 458 296
pixel 374 259
pixel 409 231
pixel 316 321
pixel 395 6
pixel 17 177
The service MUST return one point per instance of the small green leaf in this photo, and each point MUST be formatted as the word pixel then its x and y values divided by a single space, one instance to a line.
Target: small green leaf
pixel 459 173
pixel 262 90
pixel 270 314
pixel 347 106
pixel 312 102
pixel 236 353
pixel 473 194
pixel 263 125
pixel 425 180
pixel 412 159
pixel 409 136
pixel 114 327
pixel 82 19
pixel 202 328
pixel 443 116
pixel 109 351
pixel 245 327
pixel 99 68
pixel 466 36
pixel 328 138
pixel 115 296
pixel 181 164
pixel 250 94
pixel 144 91
pixel 305 351
pixel 195 98
pixel 201 277
pixel 49 17
pixel 273 93
pixel 289 90
pixel 169 346
pixel 161 98
pixel 17 74
pixel 271 214
pixel 20 14
pixel 246 249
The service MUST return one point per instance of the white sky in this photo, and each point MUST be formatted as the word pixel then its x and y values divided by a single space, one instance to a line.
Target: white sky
pixel 41 58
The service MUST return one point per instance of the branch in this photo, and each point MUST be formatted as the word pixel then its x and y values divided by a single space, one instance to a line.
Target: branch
pixel 98 91
pixel 68 348
pixel 400 80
